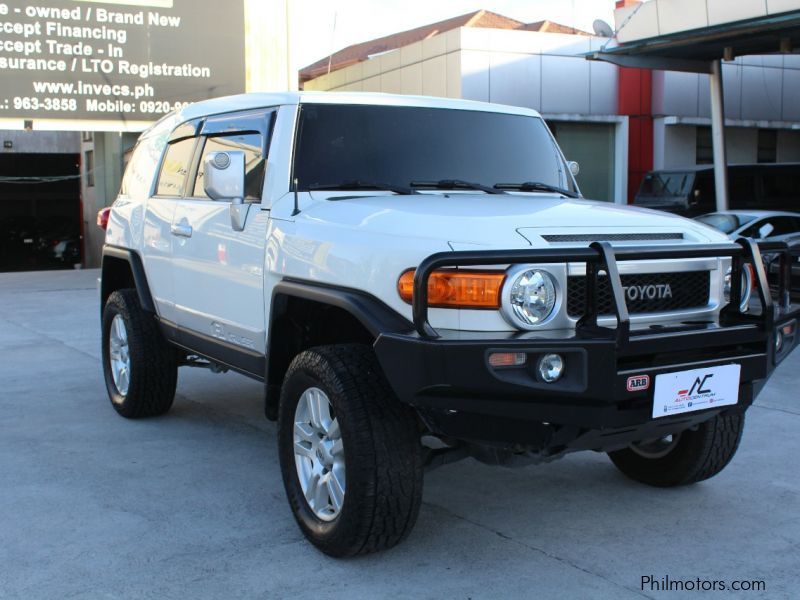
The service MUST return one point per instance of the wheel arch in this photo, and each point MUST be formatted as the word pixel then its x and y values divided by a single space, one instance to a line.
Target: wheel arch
pixel 122 268
pixel 304 315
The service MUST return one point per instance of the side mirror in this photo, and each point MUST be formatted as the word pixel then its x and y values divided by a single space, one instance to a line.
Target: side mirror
pixel 574 168
pixel 223 181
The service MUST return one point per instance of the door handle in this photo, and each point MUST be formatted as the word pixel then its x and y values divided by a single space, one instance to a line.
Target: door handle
pixel 181 230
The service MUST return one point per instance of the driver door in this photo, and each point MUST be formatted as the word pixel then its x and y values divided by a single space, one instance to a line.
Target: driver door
pixel 218 272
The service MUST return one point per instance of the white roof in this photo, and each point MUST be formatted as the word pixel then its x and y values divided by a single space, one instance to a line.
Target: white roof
pixel 259 100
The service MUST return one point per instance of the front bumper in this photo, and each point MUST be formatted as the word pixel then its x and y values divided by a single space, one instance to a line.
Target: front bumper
pixel 446 375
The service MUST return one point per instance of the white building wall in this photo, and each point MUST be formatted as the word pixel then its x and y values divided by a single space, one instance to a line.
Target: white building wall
pixel 269 29
pixel 757 88
pixel 761 92
pixel 431 67
pixel 741 145
pixel 673 146
pixel 543 71
pixel 109 149
pixel 662 17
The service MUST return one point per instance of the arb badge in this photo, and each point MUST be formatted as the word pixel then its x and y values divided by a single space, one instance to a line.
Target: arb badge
pixel 638 383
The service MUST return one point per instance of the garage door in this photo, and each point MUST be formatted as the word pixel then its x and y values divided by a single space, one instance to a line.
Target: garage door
pixel 592 146
pixel 40 224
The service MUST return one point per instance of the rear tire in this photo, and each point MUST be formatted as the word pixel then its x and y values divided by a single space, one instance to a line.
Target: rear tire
pixel 694 455
pixel 148 387
pixel 379 461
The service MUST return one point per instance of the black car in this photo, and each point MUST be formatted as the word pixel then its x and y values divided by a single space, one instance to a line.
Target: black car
pixel 690 191
pixel 794 250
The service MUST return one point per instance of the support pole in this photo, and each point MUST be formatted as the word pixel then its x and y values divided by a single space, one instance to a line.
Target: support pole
pixel 718 135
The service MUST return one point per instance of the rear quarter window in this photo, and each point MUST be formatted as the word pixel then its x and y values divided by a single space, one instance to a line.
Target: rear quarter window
pixel 175 168
pixel 141 170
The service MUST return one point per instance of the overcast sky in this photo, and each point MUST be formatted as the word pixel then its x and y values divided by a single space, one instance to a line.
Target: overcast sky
pixel 362 20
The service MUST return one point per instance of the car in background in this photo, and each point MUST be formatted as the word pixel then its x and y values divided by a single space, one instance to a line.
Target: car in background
pixel 763 225
pixel 756 224
pixel 773 268
pixel 60 242
pixel 690 191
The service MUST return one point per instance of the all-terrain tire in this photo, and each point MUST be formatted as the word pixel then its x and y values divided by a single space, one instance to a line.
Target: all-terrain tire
pixel 699 454
pixel 153 362
pixel 382 451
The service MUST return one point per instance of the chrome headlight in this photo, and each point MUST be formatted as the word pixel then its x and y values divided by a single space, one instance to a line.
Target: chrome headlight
pixel 531 298
pixel 747 287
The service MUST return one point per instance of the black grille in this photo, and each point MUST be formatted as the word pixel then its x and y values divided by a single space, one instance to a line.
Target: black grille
pixel 687 290
pixel 611 237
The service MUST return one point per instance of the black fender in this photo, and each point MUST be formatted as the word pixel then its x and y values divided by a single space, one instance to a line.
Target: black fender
pixel 376 316
pixel 370 316
pixel 108 283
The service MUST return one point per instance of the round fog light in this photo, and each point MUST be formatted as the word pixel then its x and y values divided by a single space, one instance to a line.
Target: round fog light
pixel 778 340
pixel 551 367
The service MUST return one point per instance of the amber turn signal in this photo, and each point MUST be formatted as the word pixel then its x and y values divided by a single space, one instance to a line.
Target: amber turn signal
pixel 457 289
pixel 507 359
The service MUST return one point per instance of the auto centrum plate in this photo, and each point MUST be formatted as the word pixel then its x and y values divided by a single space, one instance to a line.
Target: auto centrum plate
pixel 695 389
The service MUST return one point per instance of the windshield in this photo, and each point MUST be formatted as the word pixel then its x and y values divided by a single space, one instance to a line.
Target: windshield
pixel 398 145
pixel 666 184
pixel 725 222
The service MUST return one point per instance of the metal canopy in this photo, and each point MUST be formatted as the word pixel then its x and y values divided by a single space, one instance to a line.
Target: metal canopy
pixel 702 51
pixel 694 50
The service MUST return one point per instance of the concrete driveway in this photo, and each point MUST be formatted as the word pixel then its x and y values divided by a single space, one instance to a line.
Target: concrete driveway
pixel 191 505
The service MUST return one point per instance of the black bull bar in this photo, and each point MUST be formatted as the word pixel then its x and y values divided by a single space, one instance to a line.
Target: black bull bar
pixel 601 257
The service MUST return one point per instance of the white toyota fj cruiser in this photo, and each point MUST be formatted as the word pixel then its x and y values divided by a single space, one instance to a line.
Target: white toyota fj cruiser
pixel 417 280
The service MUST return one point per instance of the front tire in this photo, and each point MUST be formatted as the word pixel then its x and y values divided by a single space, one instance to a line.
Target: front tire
pixel 140 367
pixel 349 451
pixel 688 457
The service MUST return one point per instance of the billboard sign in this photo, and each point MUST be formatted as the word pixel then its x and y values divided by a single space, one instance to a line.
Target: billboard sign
pixel 117 60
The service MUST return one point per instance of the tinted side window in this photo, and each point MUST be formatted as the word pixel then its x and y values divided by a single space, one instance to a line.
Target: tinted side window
pixel 172 177
pixel 782 226
pixel 252 145
pixel 772 227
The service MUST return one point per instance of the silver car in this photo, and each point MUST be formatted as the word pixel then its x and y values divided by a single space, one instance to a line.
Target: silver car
pixel 757 224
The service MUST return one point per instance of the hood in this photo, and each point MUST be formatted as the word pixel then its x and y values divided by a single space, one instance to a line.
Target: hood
pixel 515 220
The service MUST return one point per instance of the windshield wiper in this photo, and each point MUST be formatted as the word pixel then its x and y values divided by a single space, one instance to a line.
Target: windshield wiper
pixel 535 186
pixel 455 184
pixel 357 184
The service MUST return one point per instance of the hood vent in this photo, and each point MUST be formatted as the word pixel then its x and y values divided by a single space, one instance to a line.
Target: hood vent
pixel 612 237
